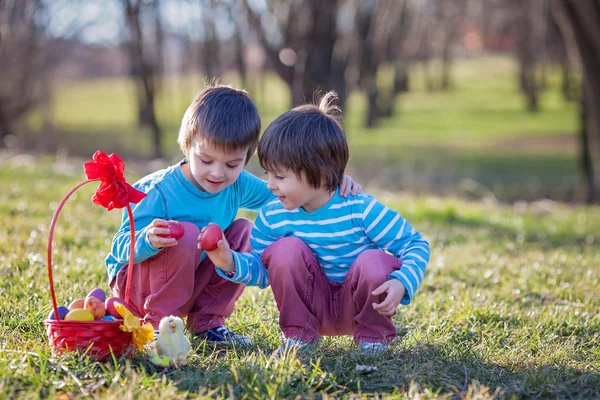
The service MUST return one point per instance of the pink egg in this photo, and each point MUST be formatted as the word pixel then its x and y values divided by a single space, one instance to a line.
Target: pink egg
pixel 95 306
pixel 110 306
pixel 97 293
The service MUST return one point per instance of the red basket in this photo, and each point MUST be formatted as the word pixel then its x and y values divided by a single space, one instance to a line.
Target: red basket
pixel 95 338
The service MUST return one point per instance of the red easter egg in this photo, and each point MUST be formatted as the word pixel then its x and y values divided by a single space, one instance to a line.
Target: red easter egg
pixel 95 306
pixel 176 230
pixel 211 237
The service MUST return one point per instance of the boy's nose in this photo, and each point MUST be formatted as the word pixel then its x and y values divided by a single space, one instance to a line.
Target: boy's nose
pixel 270 185
pixel 218 172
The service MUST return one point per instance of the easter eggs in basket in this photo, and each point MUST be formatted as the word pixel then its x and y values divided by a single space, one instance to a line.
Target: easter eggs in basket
pixel 80 326
pixel 94 307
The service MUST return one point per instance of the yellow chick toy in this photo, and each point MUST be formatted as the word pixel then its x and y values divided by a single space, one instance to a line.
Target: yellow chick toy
pixel 171 341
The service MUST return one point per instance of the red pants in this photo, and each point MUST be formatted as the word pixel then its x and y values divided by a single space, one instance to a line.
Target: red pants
pixel 310 305
pixel 175 282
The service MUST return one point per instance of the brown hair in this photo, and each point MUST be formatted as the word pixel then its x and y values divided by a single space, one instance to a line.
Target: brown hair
pixel 307 139
pixel 222 116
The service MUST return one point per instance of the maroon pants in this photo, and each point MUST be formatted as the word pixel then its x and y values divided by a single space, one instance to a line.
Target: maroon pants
pixel 310 305
pixel 175 282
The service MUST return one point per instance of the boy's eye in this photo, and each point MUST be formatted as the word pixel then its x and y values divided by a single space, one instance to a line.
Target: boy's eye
pixel 232 166
pixel 279 177
pixel 205 162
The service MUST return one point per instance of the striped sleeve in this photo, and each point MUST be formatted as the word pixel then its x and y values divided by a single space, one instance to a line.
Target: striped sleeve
pixel 249 269
pixel 391 232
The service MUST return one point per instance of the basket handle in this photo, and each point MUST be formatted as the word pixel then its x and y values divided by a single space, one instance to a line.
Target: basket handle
pixel 51 234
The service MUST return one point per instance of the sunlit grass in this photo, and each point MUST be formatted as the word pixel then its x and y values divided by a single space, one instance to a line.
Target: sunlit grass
pixel 508 307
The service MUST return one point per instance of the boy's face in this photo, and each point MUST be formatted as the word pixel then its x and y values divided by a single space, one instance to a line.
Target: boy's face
pixel 211 169
pixel 295 192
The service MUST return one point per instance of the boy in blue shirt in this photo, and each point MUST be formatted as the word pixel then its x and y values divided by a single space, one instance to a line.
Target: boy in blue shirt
pixel 336 266
pixel 218 135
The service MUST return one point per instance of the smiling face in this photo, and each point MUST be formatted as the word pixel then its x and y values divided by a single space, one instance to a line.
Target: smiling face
pixel 295 192
pixel 212 169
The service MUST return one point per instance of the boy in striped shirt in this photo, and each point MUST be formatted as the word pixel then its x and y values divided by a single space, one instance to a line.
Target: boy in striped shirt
pixel 337 266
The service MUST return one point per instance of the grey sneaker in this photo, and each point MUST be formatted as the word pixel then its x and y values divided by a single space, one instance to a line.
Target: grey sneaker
pixel 292 344
pixel 373 348
pixel 223 337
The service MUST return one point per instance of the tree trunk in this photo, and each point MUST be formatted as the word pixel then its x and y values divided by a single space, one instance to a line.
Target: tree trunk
pixel 587 166
pixel 578 22
pixel 144 76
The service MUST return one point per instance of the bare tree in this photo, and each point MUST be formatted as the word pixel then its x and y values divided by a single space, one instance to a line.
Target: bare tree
pixel 145 63
pixel 302 41
pixel 452 15
pixel 210 54
pixel 578 22
pixel 378 23
pixel 529 25
pixel 27 57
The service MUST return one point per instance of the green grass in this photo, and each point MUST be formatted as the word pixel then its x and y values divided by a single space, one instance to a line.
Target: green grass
pixel 508 307
pixel 479 130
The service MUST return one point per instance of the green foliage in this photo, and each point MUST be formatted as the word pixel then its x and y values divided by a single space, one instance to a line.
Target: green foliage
pixel 477 130
pixel 508 308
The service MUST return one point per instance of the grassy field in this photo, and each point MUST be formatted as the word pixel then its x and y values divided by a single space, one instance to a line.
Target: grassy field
pixel 509 308
pixel 436 142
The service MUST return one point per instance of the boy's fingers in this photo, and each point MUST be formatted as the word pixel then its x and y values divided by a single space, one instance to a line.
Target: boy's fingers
pixel 381 289
pixel 159 231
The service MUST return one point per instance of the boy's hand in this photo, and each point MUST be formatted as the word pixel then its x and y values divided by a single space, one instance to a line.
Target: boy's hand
pixel 349 186
pixel 160 227
pixel 395 292
pixel 221 256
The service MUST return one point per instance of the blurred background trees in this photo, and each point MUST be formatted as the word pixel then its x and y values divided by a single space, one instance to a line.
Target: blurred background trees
pixel 374 53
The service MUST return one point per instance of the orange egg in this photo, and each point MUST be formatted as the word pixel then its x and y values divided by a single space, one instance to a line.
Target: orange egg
pixel 75 304
pixel 79 314
pixel 95 306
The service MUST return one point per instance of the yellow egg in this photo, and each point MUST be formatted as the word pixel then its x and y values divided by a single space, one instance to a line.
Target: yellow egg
pixel 79 314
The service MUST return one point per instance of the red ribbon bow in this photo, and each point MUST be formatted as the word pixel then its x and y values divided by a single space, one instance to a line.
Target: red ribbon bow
pixel 113 191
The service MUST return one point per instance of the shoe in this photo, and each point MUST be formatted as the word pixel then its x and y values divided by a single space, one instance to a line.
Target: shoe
pixel 223 337
pixel 373 348
pixel 292 345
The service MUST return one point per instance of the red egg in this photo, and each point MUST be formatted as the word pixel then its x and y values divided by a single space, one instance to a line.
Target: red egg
pixel 109 304
pixel 211 237
pixel 176 230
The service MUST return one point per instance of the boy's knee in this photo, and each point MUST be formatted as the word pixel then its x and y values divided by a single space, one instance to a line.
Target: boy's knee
pixel 283 250
pixel 375 265
pixel 189 240
pixel 238 235
pixel 242 225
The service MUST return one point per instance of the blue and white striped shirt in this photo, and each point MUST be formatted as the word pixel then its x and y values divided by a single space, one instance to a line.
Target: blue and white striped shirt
pixel 337 233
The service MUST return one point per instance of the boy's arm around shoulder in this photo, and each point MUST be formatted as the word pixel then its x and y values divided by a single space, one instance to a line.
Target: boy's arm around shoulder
pixel 253 192
pixel 391 232
pixel 151 207
pixel 249 269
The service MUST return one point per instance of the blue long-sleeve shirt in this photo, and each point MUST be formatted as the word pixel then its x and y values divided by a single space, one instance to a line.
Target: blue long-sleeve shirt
pixel 337 233
pixel 170 196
